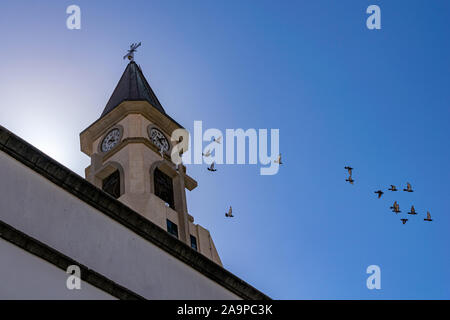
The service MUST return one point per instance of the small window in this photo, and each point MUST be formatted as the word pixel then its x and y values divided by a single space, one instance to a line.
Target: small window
pixel 111 184
pixel 193 242
pixel 164 187
pixel 172 228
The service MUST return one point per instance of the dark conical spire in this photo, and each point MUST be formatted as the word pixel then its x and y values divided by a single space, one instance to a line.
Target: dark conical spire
pixel 132 86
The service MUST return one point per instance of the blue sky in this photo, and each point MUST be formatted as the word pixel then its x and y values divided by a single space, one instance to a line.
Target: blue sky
pixel 339 93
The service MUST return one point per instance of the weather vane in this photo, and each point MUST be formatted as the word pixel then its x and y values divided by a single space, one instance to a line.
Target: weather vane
pixel 131 51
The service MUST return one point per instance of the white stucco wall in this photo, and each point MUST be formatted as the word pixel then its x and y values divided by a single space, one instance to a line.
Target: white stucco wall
pixel 25 276
pixel 44 211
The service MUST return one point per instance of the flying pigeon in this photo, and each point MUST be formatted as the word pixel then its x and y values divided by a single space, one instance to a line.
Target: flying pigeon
pixel 349 169
pixel 211 168
pixel 218 139
pixel 408 188
pixel 229 213
pixel 413 211
pixel 380 193
pixel 393 188
pixel 278 160
pixel 428 217
pixel 350 180
pixel 207 154
pixel 395 207
pixel 404 220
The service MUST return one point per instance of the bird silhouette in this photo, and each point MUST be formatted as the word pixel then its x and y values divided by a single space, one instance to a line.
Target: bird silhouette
pixel 408 188
pixel 404 220
pixel 428 217
pixel 278 160
pixel 229 213
pixel 211 168
pixel 380 193
pixel 207 154
pixel 350 180
pixel 413 211
pixel 349 169
pixel 393 188
pixel 395 207
pixel 218 139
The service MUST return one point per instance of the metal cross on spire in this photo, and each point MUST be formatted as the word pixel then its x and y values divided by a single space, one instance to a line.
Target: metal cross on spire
pixel 131 51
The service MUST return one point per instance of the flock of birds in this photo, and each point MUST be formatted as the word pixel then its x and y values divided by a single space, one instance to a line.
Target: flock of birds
pixel 395 207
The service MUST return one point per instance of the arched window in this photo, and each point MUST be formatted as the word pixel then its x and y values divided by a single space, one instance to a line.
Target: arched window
pixel 164 187
pixel 111 184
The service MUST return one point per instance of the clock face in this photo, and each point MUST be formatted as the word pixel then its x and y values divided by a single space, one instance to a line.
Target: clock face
pixel 111 140
pixel 159 140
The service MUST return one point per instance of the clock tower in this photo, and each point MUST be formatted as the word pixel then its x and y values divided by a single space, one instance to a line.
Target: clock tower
pixel 130 147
